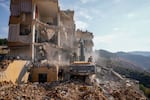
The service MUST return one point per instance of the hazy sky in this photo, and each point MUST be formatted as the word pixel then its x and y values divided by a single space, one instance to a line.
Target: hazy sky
pixel 117 25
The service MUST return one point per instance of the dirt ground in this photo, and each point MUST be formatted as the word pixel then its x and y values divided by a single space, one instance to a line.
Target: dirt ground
pixel 68 90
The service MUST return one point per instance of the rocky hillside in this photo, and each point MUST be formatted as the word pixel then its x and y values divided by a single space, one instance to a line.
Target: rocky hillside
pixel 129 65
pixel 127 60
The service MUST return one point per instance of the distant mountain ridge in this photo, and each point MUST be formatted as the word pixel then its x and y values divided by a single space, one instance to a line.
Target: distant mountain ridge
pixel 132 60
pixel 142 53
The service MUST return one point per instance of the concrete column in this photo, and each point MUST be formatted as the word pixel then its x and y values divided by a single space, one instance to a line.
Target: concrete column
pixel 59 26
pixel 33 31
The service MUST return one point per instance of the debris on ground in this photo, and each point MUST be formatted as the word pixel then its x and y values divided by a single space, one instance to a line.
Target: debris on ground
pixel 104 87
pixel 75 90
pixel 67 90
pixel 9 91
pixel 4 64
pixel 127 94
pixel 50 91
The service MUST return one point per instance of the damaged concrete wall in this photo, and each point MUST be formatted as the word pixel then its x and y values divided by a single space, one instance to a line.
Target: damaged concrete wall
pixel 51 73
pixel 13 72
pixel 19 38
pixel 67 32
pixel 88 42
pixel 15 35
pixel 23 52
pixel 44 24
pixel 67 35
pixel 47 28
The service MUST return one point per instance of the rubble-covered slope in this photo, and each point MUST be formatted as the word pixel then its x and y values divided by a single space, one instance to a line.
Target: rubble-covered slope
pixel 116 87
pixel 71 90
pixel 68 90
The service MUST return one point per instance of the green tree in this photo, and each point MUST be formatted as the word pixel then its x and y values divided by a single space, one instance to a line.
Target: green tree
pixel 3 42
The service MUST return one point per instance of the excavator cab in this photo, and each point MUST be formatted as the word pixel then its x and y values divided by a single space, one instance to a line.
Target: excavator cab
pixel 82 69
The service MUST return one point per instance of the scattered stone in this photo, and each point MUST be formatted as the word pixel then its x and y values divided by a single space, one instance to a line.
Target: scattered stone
pixel 68 90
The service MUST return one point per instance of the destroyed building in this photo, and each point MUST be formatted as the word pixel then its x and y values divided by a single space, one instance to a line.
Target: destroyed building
pixel 39 30
pixel 44 35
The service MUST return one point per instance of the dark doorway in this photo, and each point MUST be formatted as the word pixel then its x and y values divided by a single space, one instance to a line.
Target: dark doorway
pixel 42 78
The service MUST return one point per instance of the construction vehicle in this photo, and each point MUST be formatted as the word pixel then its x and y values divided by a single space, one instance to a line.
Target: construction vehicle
pixel 81 69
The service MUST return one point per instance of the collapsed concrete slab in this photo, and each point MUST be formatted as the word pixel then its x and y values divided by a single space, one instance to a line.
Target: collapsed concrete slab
pixel 16 72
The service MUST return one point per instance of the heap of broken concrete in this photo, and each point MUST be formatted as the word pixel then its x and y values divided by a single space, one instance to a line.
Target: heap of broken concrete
pixel 108 85
pixel 67 90
pixel 4 64
pixel 116 87
pixel 70 90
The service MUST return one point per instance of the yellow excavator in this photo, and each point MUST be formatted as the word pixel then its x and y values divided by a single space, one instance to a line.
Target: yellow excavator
pixel 81 69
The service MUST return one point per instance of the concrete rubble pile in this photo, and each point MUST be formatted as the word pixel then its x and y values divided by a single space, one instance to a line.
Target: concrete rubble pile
pixel 127 94
pixel 107 86
pixel 9 91
pixel 75 90
pixel 54 91
pixel 4 64
pixel 121 91
pixel 69 90
pixel 116 87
